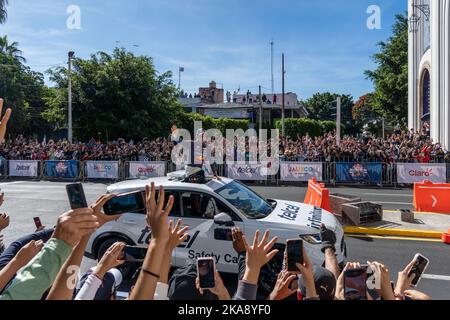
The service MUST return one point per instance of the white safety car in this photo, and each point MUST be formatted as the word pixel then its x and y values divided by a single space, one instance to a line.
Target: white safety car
pixel 211 209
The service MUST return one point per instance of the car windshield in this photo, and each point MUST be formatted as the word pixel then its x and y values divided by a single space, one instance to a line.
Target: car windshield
pixel 251 204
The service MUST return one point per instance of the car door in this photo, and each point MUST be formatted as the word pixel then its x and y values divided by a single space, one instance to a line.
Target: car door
pixel 133 219
pixel 206 238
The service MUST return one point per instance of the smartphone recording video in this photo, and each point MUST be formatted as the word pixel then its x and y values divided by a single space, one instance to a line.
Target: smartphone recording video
pixel 77 198
pixel 294 254
pixel 37 222
pixel 420 264
pixel 355 284
pixel 206 273
pixel 134 254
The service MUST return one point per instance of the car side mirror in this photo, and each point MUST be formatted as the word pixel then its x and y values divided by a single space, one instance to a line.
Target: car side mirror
pixel 223 219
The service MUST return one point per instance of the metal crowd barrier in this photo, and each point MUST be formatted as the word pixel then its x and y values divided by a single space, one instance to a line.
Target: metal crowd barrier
pixel 388 173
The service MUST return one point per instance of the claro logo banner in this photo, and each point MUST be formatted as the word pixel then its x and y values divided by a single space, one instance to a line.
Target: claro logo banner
pixel 418 172
pixel 142 170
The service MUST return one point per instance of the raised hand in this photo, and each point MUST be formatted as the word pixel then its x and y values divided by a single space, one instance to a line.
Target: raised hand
pixel 28 252
pixel 157 216
pixel 176 235
pixel 4 122
pixel 238 241
pixel 281 290
pixel 75 224
pixel 404 281
pixel 4 221
pixel 111 259
pixel 258 255
pixel 97 207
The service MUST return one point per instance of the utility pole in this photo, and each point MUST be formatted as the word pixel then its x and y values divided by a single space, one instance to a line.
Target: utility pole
pixel 271 67
pixel 260 109
pixel 69 74
pixel 282 98
pixel 338 121
pixel 383 126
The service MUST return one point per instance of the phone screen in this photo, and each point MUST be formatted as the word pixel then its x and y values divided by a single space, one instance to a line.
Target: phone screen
pixel 355 284
pixel 418 268
pixel 134 254
pixel 76 195
pixel 37 222
pixel 294 254
pixel 205 270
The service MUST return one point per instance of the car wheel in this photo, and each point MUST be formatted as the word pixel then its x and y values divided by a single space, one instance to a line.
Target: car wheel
pixel 128 268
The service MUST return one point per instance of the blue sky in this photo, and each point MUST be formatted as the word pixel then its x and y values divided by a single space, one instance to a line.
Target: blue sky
pixel 326 42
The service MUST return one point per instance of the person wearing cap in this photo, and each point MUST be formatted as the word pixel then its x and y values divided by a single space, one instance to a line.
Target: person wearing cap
pixel 101 282
pixel 324 282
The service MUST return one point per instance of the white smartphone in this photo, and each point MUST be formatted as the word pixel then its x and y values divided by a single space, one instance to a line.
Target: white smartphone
pixel 420 265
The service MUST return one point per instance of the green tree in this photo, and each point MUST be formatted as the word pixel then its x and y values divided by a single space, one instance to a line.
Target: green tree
pixel 11 49
pixel 22 90
pixel 322 106
pixel 3 13
pixel 390 78
pixel 121 94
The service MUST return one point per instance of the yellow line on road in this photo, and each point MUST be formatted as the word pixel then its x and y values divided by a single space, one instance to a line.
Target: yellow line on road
pixel 393 232
pixel 391 238
pixel 415 212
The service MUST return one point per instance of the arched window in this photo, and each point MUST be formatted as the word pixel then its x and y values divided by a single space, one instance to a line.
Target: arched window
pixel 425 114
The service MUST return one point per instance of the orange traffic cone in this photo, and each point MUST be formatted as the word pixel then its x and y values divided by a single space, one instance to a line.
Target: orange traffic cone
pixel 446 237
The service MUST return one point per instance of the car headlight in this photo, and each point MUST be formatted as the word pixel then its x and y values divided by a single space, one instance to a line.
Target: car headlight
pixel 311 238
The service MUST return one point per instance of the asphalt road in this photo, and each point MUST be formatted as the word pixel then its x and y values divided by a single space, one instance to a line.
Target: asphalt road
pixel 25 200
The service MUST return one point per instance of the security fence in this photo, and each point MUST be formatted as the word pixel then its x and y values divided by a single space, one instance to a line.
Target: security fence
pixel 290 172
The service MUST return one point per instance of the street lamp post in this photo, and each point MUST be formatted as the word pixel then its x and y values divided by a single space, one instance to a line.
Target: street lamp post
pixel 69 74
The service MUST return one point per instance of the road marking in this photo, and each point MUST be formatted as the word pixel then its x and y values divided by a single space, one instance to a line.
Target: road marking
pixel 436 277
pixel 401 203
pixel 8 183
pixel 392 238
pixel 388 195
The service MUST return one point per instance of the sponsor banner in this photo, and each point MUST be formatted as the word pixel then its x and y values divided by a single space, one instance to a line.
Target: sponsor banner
pixel 301 171
pixel 359 172
pixel 23 168
pixel 102 169
pixel 252 172
pixel 418 172
pixel 142 170
pixel 61 169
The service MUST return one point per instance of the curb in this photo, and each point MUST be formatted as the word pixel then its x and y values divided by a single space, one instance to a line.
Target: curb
pixel 394 232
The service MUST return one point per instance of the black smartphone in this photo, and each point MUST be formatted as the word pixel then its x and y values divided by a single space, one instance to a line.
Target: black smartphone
pixel 294 250
pixel 134 254
pixel 355 284
pixel 206 269
pixel 420 265
pixel 37 222
pixel 77 199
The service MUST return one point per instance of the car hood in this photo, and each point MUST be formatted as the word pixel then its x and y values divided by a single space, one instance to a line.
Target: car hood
pixel 296 215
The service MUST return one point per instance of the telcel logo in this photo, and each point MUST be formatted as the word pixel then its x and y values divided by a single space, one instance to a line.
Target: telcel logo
pixel 421 173
pixel 246 170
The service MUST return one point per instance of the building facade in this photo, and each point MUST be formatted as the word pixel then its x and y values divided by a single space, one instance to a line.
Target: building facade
pixel 429 68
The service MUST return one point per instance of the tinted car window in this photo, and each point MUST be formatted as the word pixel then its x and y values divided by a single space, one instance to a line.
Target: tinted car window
pixel 130 202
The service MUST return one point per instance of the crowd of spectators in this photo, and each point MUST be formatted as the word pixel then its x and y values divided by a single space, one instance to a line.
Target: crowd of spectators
pixel 40 266
pixel 401 146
